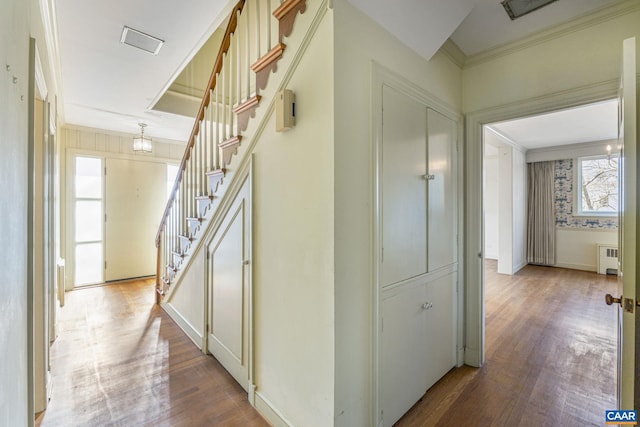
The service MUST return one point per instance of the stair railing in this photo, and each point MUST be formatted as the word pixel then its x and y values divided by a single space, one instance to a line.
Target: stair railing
pixel 240 71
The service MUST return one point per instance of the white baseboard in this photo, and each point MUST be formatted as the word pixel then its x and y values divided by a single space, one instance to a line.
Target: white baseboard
pixel 472 357
pixel 184 324
pixel 583 267
pixel 519 267
pixel 269 412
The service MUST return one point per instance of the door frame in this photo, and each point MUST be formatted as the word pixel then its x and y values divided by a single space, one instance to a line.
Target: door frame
pixel 383 76
pixel 244 177
pixel 68 171
pixel 473 195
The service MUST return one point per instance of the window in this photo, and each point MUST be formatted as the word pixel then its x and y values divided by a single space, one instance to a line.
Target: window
pixel 597 185
pixel 89 221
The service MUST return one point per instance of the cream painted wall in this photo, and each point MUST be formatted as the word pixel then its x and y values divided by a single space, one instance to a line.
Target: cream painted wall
pixel 519 188
pixel 579 58
pixel 191 290
pixel 357 42
pixel 576 248
pixel 293 259
pixel 491 211
pixel 14 51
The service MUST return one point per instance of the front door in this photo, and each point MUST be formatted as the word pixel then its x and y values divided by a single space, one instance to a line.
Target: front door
pixel 136 194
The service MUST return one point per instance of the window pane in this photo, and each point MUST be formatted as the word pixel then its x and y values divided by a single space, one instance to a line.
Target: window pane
pixel 89 264
pixel 599 191
pixel 88 220
pixel 88 177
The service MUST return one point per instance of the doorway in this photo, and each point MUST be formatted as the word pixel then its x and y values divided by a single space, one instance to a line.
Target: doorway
pixel 576 142
pixel 114 203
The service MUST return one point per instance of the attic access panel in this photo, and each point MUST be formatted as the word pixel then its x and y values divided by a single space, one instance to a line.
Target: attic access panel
pixel 517 8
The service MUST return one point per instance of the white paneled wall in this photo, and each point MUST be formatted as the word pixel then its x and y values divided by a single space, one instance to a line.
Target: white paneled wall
pixel 102 141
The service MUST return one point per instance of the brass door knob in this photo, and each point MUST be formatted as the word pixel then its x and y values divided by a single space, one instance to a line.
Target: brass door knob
pixel 609 299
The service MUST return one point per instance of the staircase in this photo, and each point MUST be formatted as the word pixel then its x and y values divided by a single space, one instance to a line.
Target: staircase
pixel 251 48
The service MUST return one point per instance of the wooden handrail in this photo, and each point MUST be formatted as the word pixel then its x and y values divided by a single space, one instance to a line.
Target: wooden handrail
pixel 217 67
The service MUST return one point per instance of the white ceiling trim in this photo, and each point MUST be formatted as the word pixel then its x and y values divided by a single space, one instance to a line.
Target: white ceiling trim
pixel 506 139
pixel 580 23
pixel 48 17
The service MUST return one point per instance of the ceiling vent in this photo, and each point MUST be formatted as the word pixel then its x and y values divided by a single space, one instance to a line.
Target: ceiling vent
pixel 517 8
pixel 141 40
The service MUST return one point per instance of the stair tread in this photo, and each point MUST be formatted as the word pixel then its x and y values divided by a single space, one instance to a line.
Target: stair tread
pixel 247 104
pixel 269 58
pixel 230 141
pixel 216 172
pixel 286 7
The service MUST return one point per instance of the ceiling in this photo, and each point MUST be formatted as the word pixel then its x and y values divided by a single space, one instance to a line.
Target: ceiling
pixel 589 123
pixel 488 25
pixel 111 86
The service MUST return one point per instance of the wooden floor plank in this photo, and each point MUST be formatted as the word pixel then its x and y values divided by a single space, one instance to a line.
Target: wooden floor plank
pixel 550 356
pixel 119 360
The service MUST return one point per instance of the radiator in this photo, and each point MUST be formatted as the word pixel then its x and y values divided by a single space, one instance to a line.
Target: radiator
pixel 607 257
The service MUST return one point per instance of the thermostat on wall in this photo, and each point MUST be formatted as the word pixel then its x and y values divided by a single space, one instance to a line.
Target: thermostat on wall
pixel 285 110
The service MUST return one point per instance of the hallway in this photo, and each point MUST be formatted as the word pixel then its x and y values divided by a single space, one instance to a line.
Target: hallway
pixel 550 356
pixel 119 360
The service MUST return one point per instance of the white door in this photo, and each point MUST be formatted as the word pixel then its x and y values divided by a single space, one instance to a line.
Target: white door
pixel 628 226
pixel 135 196
pixel 404 192
pixel 229 290
pixel 418 233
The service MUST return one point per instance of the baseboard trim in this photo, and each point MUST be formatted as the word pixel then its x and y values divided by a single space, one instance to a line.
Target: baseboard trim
pixel 269 412
pixel 583 267
pixel 472 357
pixel 184 324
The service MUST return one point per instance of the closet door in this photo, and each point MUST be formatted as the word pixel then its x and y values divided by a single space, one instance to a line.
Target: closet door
pixel 442 138
pixel 404 192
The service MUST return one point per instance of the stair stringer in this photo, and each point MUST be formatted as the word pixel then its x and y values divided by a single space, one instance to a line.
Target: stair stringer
pixel 240 162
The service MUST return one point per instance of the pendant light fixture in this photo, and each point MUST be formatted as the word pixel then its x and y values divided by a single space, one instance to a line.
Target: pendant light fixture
pixel 141 143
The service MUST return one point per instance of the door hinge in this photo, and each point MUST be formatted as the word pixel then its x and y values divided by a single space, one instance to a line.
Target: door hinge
pixel 105 217
pixel 629 305
pixel 105 265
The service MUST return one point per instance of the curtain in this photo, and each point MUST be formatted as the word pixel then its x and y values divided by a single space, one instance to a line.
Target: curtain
pixel 541 217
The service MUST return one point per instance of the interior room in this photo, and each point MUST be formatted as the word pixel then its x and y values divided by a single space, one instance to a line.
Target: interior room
pixel 313 212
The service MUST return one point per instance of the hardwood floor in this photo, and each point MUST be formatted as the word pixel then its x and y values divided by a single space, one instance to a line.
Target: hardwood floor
pixel 119 360
pixel 550 356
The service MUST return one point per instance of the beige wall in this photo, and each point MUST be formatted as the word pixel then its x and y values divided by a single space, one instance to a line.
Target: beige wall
pixel 14 51
pixel 576 58
pixel 293 245
pixel 357 42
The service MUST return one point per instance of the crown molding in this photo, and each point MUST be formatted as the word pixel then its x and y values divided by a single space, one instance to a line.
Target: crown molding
pixel 49 24
pixel 585 21
pixel 454 53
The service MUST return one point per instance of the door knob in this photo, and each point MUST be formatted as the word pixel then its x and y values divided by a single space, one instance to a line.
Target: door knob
pixel 609 299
